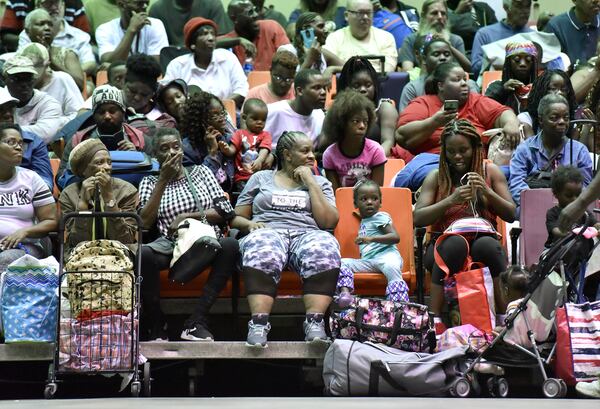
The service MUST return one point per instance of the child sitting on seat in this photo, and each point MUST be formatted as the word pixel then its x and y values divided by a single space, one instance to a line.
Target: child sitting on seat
pixel 353 156
pixel 567 182
pixel 377 239
pixel 250 145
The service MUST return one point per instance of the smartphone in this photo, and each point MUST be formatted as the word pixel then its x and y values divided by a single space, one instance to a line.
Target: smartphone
pixel 308 37
pixel 112 142
pixel 451 105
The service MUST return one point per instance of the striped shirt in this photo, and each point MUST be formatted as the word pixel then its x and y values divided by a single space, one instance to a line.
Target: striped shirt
pixel 178 198
pixel 19 196
pixel 16 10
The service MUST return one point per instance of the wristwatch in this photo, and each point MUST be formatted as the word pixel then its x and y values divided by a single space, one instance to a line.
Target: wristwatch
pixel 111 203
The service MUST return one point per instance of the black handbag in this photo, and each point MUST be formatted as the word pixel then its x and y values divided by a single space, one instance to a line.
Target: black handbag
pixel 542 179
pixel 200 254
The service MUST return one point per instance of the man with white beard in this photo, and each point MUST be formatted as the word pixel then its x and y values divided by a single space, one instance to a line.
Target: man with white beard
pixel 434 21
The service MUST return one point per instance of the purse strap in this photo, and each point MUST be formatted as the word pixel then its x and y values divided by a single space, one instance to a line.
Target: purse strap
pixel 440 261
pixel 195 195
pixel 551 159
pixel 193 190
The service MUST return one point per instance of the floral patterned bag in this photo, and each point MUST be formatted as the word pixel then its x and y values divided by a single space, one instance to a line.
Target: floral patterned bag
pixel 406 326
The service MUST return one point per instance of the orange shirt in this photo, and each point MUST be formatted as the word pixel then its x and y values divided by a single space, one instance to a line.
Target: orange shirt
pixel 263 93
pixel 270 36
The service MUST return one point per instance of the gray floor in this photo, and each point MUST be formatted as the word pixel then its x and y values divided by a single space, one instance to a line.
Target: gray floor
pixel 303 403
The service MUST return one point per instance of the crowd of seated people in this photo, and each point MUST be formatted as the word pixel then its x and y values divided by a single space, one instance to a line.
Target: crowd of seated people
pixel 255 120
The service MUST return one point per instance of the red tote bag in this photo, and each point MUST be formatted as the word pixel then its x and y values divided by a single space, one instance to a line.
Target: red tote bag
pixel 474 290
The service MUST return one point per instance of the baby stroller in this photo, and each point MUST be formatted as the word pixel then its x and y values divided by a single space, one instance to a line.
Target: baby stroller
pixel 503 351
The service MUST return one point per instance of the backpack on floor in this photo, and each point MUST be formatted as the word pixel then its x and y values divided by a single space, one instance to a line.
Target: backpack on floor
pixel 401 325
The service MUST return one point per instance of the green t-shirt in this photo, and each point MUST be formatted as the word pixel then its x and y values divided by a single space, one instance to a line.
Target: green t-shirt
pixel 99 12
pixel 174 18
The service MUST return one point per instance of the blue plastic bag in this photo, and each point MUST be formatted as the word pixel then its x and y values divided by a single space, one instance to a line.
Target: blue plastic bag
pixel 30 300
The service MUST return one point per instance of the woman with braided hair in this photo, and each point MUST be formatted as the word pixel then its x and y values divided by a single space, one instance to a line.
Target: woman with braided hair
pixel 519 72
pixel 203 125
pixel 463 178
pixel 549 82
pixel 286 213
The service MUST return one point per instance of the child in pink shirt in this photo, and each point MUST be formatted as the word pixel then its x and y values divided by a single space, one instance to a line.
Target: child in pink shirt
pixel 353 157
pixel 250 145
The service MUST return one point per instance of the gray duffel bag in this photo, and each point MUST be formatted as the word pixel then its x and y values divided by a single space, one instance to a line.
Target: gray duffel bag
pixel 352 368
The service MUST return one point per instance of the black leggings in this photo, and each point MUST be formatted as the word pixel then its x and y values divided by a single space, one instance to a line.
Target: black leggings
pixel 486 250
pixel 153 263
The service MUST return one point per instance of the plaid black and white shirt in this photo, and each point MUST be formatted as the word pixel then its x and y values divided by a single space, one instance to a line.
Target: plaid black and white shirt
pixel 178 197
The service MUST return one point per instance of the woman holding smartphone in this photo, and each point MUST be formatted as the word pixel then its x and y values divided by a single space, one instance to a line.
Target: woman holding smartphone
pixel 307 42
pixel 447 97
pixel 462 184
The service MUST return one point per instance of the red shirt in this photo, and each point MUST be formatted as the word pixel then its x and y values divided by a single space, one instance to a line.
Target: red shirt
pixel 14 16
pixel 481 111
pixel 254 144
pixel 270 36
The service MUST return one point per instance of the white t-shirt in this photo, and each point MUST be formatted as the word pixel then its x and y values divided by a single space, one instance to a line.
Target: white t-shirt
pixel 19 196
pixel 283 118
pixel 223 76
pixel 63 88
pixel 150 40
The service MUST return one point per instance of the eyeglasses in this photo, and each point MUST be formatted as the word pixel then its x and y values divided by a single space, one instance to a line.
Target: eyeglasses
pixel 217 115
pixel 359 13
pixel 13 143
pixel 250 12
pixel 283 79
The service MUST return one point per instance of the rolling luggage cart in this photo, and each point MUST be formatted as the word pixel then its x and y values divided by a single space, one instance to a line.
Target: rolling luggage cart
pixel 99 300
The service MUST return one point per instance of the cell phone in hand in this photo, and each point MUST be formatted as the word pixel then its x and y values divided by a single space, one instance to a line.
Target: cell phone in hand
pixel 112 141
pixel 451 105
pixel 308 37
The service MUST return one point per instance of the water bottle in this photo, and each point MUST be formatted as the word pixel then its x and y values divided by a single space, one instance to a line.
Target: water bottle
pixel 248 65
pixel 248 156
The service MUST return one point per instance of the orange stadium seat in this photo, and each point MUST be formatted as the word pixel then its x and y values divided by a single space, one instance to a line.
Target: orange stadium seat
pixel 391 168
pixel 256 78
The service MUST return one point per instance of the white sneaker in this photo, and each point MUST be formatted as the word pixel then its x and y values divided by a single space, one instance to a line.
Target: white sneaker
pixel 589 389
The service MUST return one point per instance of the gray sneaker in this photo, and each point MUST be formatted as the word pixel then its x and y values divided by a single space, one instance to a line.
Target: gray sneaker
pixel 257 334
pixel 315 331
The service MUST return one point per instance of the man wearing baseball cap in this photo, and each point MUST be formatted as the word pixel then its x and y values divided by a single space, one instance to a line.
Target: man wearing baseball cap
pixel 37 111
pixel 214 70
pixel 108 114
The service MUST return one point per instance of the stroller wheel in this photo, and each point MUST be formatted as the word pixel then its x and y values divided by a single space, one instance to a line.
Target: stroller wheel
pixel 563 388
pixel 135 389
pixel 551 388
pixel 462 388
pixel 498 387
pixel 502 387
pixel 50 390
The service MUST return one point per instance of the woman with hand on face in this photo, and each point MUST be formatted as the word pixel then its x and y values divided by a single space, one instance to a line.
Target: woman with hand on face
pixel 203 126
pixel 27 208
pixel 166 200
pixel 285 214
pixel 98 190
pixel 447 195
pixel 448 98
